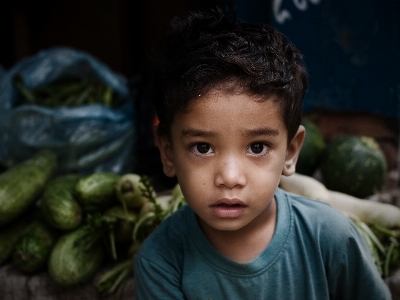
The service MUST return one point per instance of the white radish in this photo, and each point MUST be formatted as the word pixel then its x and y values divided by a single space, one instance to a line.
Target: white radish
pixel 305 186
pixel 367 211
pixel 370 212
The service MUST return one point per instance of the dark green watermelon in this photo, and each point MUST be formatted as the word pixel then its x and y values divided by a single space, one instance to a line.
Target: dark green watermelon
pixel 354 165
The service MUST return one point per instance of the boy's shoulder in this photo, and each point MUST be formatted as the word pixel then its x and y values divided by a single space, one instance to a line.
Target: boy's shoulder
pixel 306 206
pixel 168 238
pixel 318 217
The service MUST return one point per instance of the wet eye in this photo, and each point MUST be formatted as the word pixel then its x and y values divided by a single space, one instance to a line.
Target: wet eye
pixel 202 148
pixel 258 148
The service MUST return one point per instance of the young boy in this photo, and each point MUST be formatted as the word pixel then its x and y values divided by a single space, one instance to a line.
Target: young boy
pixel 229 128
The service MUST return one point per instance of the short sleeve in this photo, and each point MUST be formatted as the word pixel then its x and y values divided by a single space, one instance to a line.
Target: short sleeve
pixel 355 275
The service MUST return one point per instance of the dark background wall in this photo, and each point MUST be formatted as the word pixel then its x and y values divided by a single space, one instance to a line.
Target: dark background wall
pixel 351 47
pixel 121 33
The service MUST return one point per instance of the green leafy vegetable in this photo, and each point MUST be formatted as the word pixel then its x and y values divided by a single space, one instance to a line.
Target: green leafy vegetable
pixel 153 212
pixel 67 92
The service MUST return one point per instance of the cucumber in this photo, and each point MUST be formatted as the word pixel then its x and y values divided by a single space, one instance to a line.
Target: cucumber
pixel 58 205
pixel 33 247
pixel 354 165
pixel 22 184
pixel 9 235
pixel 97 191
pixel 75 258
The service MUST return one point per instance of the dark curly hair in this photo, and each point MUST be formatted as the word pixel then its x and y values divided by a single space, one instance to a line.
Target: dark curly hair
pixel 208 49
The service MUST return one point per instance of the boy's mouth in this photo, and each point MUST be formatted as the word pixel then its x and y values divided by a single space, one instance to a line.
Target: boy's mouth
pixel 229 205
pixel 228 208
pixel 229 202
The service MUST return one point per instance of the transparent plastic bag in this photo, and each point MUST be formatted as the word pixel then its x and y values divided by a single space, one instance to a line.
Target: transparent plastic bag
pixel 86 138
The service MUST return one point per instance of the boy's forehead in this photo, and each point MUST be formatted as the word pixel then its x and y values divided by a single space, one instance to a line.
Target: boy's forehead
pixel 219 104
pixel 219 93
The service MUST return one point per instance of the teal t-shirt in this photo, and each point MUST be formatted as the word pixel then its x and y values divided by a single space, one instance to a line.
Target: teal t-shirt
pixel 316 253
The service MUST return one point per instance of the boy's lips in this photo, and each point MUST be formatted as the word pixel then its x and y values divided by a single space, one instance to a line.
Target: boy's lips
pixel 228 208
pixel 228 202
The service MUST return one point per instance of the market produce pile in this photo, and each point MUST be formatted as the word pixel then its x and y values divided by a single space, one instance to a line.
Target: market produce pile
pixel 354 165
pixel 71 225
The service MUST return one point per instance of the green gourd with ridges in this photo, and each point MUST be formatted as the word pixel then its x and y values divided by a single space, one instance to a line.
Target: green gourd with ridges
pixel 354 165
pixel 76 257
pixel 33 247
pixel 10 234
pixel 22 184
pixel 59 206
pixel 96 192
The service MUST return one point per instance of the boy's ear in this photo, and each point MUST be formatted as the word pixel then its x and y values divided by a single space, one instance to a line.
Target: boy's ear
pixel 292 152
pixel 166 154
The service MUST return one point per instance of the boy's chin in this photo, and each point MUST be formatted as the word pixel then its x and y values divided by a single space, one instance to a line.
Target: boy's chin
pixel 228 225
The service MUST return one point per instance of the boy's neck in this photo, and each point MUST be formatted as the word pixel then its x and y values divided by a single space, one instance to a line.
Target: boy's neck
pixel 247 243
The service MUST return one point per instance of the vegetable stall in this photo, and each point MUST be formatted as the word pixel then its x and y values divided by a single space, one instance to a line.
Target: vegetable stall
pixel 77 224
pixel 73 213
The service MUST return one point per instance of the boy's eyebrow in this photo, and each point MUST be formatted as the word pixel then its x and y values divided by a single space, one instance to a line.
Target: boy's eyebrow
pixel 261 131
pixel 197 132
pixel 249 132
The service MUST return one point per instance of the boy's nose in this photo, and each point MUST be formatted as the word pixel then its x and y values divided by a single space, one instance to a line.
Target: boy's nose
pixel 230 173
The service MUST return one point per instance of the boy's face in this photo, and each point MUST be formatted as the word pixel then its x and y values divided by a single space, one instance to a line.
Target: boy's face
pixel 228 152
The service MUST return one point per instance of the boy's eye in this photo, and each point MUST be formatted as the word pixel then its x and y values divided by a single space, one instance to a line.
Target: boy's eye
pixel 258 148
pixel 202 148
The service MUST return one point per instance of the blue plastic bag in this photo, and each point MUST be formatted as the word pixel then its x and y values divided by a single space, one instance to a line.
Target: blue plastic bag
pixel 87 138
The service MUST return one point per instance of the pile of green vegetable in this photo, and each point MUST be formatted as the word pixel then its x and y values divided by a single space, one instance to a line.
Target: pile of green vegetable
pixel 67 92
pixel 353 165
pixel 71 225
